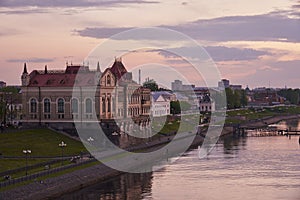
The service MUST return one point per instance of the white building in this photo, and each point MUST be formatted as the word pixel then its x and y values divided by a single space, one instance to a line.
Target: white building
pixel 206 104
pixel 160 106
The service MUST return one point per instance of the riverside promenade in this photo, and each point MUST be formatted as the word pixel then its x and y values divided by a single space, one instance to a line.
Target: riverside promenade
pixel 56 186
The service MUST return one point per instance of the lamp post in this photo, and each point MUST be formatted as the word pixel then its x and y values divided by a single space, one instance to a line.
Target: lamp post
pixel 26 152
pixel 90 140
pixel 62 145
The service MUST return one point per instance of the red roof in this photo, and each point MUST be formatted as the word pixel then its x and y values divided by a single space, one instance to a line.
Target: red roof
pixel 118 69
pixel 62 78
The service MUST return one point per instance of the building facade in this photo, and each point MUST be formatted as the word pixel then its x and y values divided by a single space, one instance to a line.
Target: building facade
pixel 58 98
pixel 160 105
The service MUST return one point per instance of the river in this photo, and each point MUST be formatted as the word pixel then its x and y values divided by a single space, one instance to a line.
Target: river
pixel 265 168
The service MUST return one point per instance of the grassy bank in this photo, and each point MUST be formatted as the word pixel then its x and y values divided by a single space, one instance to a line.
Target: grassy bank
pixel 41 142
pixel 245 115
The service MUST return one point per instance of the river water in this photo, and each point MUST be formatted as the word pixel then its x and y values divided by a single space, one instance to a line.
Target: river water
pixel 266 168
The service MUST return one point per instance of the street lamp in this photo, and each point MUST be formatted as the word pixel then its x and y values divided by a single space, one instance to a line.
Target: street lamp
pixel 62 145
pixel 90 139
pixel 26 152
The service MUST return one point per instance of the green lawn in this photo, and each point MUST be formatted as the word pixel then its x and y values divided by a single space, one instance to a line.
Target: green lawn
pixel 42 142
pixel 250 114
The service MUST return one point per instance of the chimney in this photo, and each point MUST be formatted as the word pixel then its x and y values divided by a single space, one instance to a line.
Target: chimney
pixel 139 76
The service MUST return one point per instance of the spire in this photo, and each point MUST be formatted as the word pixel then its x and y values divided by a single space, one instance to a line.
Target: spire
pixel 98 67
pixel 46 70
pixel 25 69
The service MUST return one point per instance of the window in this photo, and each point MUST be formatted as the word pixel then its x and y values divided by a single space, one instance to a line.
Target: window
pixel 60 105
pixel 108 105
pixel 88 105
pixel 47 105
pixel 103 104
pixel 74 105
pixel 108 80
pixel 33 105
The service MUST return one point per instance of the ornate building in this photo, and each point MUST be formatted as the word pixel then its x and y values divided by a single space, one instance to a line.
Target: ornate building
pixel 58 98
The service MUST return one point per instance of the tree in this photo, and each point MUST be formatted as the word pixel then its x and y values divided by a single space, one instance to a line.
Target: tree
pixel 236 98
pixel 6 97
pixel 175 107
pixel 151 84
pixel 291 95
pixel 230 98
pixel 244 99
pixel 178 106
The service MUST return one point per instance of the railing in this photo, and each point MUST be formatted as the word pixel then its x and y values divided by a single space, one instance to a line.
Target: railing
pixel 43 173
pixel 13 171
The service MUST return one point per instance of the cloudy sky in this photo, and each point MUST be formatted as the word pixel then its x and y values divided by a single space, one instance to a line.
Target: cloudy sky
pixel 253 43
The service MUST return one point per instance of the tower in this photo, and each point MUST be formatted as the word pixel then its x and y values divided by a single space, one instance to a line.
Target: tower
pixel 25 78
pixel 97 75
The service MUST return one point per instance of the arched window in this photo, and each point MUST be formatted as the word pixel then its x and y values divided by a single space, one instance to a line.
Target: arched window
pixel 33 105
pixel 108 104
pixel 108 80
pixel 60 105
pixel 47 105
pixel 103 104
pixel 74 104
pixel 88 105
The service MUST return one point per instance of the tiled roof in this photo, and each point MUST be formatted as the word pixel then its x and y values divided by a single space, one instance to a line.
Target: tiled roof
pixel 65 78
pixel 118 69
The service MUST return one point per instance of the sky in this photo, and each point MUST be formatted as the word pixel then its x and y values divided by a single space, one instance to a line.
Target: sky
pixel 254 43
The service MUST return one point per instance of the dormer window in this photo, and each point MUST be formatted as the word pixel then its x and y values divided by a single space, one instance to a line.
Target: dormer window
pixel 108 80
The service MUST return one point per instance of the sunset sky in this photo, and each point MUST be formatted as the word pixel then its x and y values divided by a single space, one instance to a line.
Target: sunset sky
pixel 253 43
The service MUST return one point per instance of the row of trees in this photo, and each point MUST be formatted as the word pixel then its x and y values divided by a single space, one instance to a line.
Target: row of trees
pixel 153 86
pixel 236 98
pixel 7 95
pixel 291 95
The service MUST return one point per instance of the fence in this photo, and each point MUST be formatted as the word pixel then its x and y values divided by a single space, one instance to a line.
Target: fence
pixel 43 173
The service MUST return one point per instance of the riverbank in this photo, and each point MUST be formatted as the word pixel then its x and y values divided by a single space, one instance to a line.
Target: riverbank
pixel 56 186
pixel 260 123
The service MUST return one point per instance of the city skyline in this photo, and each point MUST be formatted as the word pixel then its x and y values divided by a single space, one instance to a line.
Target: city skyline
pixel 252 43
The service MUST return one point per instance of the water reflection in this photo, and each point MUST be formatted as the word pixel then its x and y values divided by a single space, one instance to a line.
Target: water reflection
pixel 123 187
pixel 293 125
pixel 238 168
pixel 233 145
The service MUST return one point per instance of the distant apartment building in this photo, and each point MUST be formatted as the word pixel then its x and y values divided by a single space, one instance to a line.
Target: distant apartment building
pixel 57 98
pixel 223 83
pixel 226 84
pixel 178 86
